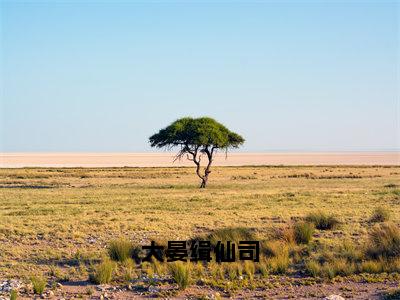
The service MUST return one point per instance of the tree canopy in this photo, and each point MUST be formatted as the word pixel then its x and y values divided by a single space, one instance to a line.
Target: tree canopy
pixel 201 132
pixel 197 136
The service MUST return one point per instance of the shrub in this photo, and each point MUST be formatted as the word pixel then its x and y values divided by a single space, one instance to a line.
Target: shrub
pixel 180 272
pixel 103 273
pixel 384 241
pixel 303 232
pixel 38 284
pixel 380 214
pixel 120 250
pixel 322 221
pixel 13 295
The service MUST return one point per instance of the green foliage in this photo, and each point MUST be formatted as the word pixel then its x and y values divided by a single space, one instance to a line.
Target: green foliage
pixel 384 241
pixel 103 273
pixel 201 132
pixel 322 221
pixel 180 272
pixel 38 284
pixel 120 250
pixel 380 214
pixel 303 232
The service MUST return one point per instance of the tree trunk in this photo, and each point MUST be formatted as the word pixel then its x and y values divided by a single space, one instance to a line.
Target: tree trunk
pixel 204 182
pixel 207 171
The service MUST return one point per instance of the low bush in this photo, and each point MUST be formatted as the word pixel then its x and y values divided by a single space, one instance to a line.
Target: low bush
pixel 38 284
pixel 103 273
pixel 322 221
pixel 303 232
pixel 380 214
pixel 384 241
pixel 180 272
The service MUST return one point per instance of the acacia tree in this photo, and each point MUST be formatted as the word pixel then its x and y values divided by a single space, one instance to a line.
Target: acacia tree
pixel 197 138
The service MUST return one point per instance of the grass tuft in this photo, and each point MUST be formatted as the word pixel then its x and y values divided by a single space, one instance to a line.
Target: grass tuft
pixel 322 221
pixel 371 266
pixel 180 272
pixel 120 250
pixel 313 268
pixel 303 232
pixel 249 269
pixel 384 241
pixel 380 214
pixel 38 284
pixel 103 273
pixel 13 295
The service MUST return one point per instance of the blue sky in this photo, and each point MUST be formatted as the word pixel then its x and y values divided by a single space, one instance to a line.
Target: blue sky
pixel 292 76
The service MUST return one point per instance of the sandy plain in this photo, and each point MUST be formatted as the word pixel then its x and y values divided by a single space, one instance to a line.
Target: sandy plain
pixel 166 159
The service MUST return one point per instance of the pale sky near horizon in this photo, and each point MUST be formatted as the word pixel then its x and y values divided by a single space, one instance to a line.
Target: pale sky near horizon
pixel 289 76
